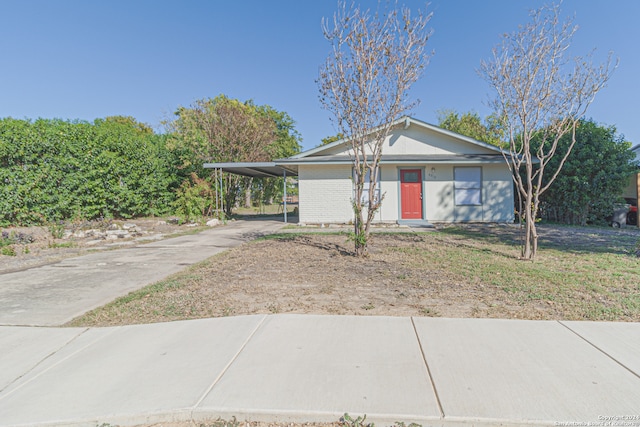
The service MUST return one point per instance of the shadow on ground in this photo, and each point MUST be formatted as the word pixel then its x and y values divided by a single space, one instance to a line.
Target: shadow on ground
pixel 554 236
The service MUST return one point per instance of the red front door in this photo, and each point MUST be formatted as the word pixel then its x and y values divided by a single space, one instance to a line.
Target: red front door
pixel 411 193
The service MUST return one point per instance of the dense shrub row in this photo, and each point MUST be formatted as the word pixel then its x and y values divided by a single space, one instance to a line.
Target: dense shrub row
pixel 54 169
pixel 592 179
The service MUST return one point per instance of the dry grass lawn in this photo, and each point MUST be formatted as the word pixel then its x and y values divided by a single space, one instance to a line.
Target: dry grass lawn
pixel 465 271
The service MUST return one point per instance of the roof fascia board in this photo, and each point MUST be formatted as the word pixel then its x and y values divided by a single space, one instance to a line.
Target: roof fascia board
pixel 497 160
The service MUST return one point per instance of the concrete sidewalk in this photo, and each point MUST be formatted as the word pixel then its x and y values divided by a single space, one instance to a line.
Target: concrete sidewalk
pixel 435 372
pixel 54 294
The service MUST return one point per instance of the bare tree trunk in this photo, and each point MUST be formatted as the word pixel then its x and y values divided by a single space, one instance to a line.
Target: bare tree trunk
pixel 232 188
pixel 529 228
pixel 375 58
pixel 247 192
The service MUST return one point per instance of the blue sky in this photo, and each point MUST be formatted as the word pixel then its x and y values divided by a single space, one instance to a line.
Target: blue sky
pixel 86 59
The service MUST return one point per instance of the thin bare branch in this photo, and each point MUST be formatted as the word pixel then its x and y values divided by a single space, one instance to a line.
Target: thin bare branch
pixel 375 59
pixel 541 93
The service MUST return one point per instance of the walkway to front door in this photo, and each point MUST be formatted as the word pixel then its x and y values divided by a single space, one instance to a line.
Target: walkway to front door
pixel 411 193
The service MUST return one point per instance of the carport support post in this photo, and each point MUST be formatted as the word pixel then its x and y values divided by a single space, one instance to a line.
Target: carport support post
pixel 222 197
pixel 284 200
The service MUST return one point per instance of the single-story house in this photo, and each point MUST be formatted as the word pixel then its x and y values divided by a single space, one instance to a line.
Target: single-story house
pixel 427 174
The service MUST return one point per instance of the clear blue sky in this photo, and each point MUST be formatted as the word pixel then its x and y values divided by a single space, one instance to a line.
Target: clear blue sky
pixel 85 59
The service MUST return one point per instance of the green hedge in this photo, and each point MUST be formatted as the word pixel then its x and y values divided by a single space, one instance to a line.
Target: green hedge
pixel 54 170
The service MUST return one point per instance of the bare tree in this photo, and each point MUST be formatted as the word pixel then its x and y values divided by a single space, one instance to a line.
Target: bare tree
pixel 541 93
pixel 364 83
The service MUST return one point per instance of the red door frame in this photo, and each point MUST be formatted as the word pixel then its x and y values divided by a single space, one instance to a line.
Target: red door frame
pixel 411 206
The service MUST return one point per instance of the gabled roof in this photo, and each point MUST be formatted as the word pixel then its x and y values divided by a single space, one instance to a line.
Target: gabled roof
pixel 406 121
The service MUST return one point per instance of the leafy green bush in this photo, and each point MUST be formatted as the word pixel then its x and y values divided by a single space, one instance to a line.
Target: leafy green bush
pixel 592 179
pixel 52 170
pixel 56 229
pixel 195 199
pixel 8 251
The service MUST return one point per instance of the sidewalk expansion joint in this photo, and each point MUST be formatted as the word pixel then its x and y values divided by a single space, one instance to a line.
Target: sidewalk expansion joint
pixel 426 364
pixel 41 361
pixel 636 374
pixel 227 366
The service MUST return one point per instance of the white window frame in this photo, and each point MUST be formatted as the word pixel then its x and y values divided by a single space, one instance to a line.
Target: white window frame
pixel 365 190
pixel 467 185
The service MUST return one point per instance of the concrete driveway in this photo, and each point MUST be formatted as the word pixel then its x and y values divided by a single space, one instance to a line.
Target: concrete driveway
pixel 54 294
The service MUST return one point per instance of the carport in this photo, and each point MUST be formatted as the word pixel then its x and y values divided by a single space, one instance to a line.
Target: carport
pixel 257 170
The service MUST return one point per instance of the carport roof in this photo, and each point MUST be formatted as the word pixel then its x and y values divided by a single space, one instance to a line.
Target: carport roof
pixel 254 169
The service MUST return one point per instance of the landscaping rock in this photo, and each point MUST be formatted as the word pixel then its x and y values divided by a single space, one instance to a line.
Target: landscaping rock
pixel 213 222
pixel 79 234
pixel 117 234
pixel 95 233
pixel 37 246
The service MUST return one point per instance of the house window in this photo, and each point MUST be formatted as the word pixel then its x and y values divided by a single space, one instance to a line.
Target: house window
pixel 467 186
pixel 365 190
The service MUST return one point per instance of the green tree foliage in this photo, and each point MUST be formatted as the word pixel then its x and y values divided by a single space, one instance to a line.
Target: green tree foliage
pixel 131 122
pixel 228 130
pixel 288 142
pixel 53 169
pixel 592 178
pixel 470 124
pixel 193 200
pixel 330 139
pixel 288 139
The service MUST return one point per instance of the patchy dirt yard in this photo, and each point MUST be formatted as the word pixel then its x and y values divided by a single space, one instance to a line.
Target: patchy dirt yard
pixel 467 271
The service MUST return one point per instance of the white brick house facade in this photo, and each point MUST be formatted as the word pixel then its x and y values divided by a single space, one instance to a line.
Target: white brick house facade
pixel 326 187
